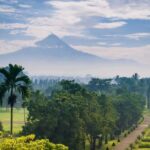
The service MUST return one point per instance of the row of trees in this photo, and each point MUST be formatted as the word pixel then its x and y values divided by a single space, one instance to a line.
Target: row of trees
pixel 73 115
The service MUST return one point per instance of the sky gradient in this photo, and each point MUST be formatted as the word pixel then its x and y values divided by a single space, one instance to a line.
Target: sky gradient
pixel 116 29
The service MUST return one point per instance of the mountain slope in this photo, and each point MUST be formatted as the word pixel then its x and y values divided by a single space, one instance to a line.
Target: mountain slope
pixel 53 56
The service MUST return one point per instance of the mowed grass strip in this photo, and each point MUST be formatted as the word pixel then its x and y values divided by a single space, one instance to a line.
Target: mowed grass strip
pixel 18 118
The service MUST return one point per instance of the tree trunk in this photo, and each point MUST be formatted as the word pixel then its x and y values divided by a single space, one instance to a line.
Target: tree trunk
pixel 106 139
pixel 24 115
pixel 11 111
pixel 100 142
pixel 11 120
pixel 93 144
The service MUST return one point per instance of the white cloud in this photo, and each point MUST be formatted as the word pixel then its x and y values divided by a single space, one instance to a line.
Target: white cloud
pixel 7 9
pixel 140 54
pixel 120 9
pixel 110 25
pixel 115 44
pixel 137 36
pixel 24 6
pixel 10 26
pixel 102 43
pixel 41 27
pixel 134 36
pixel 108 44
pixel 11 46
pixel 73 17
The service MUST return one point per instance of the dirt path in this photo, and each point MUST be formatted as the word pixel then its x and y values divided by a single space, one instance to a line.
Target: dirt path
pixel 131 138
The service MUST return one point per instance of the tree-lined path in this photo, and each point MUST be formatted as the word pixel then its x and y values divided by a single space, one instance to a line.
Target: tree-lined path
pixel 131 138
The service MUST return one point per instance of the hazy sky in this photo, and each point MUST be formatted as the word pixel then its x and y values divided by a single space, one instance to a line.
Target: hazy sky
pixel 107 28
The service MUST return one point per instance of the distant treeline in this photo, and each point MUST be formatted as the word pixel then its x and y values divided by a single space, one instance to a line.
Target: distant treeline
pixel 109 86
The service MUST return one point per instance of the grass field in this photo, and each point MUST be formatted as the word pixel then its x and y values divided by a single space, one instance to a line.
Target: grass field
pixel 18 119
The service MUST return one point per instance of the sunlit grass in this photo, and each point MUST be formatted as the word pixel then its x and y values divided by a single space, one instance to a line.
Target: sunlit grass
pixel 18 119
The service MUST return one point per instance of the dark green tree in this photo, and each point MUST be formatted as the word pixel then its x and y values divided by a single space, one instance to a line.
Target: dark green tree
pixel 14 82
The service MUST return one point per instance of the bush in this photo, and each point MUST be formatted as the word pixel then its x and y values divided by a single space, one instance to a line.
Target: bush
pixel 146 139
pixel 131 146
pixel 144 145
pixel 28 143
pixel 139 137
pixel 113 144
pixel 143 132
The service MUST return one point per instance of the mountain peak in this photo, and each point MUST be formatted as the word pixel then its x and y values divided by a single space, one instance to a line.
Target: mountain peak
pixel 51 41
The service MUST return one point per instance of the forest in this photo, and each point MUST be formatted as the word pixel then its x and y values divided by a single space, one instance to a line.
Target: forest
pixel 79 115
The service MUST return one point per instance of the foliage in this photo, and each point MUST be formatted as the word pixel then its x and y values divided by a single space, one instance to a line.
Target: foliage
pixel 73 114
pixel 60 116
pixel 144 145
pixel 146 139
pixel 129 108
pixel 14 81
pixel 28 143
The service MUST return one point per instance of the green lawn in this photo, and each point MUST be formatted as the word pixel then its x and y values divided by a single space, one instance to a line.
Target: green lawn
pixel 18 119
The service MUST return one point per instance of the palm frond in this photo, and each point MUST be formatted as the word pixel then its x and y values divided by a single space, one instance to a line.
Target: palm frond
pixel 15 70
pixel 25 79
pixel 4 72
pixel 3 90
pixel 24 90
pixel 15 81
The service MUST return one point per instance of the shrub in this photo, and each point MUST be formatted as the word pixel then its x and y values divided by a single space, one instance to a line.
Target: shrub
pixel 113 144
pixel 143 132
pixel 107 148
pixel 118 140
pixel 28 143
pixel 144 145
pixel 146 139
pixel 131 146
pixel 139 137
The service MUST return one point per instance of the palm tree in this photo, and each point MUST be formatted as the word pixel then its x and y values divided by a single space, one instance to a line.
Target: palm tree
pixel 14 82
pixel 24 105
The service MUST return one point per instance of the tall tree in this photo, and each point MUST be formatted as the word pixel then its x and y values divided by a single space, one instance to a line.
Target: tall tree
pixel 14 82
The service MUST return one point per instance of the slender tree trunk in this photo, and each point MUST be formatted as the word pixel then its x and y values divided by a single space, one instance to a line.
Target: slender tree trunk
pixel 93 144
pixel 11 120
pixel 106 139
pixel 11 112
pixel 100 142
pixel 24 115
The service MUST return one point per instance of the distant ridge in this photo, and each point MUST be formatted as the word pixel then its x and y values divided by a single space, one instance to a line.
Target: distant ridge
pixel 53 56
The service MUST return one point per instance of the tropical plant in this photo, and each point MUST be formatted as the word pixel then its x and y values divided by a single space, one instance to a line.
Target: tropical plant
pixel 29 142
pixel 14 82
